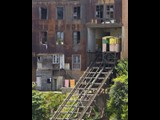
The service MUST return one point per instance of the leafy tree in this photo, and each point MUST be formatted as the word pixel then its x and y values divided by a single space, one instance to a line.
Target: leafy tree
pixel 45 103
pixel 38 106
pixel 117 106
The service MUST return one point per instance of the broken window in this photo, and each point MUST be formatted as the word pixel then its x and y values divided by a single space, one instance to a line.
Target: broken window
pixel 43 13
pixel 59 13
pixel 76 62
pixel 76 37
pixel 43 37
pixel 109 12
pixel 99 11
pixel 76 12
pixel 60 38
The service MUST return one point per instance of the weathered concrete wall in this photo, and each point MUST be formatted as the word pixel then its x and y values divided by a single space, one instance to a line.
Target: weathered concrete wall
pixel 125 29
pixel 44 61
pixel 44 75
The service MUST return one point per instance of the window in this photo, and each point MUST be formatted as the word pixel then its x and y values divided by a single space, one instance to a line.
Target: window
pixel 43 37
pixel 60 13
pixel 56 59
pixel 43 13
pixel 60 38
pixel 76 37
pixel 109 11
pixel 76 62
pixel 76 12
pixel 99 11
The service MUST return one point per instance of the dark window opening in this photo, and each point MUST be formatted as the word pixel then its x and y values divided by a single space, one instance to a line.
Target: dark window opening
pixel 111 15
pixel 76 13
pixel 60 13
pixel 108 34
pixel 43 13
pixel 49 80
pixel 38 58
pixel 76 37
pixel 44 37
pixel 99 11
pixel 110 12
pixel 108 44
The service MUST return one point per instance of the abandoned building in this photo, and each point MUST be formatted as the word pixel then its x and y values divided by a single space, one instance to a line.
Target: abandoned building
pixel 67 34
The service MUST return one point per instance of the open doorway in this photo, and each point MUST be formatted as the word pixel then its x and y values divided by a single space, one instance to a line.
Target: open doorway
pixel 95 35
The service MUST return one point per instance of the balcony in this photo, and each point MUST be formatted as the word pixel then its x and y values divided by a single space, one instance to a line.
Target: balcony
pixel 103 23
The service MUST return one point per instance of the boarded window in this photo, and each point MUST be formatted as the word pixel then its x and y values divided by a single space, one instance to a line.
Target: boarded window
pixel 43 37
pixel 76 12
pixel 43 13
pixel 76 37
pixel 60 13
pixel 60 38
pixel 99 11
pixel 109 11
pixel 76 62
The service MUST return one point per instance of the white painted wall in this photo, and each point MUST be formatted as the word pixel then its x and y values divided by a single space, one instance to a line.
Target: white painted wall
pixel 61 56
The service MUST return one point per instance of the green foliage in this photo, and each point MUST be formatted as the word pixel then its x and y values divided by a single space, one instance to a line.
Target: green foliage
pixel 45 103
pixel 122 68
pixel 38 106
pixel 117 106
pixel 53 100
pixel 33 85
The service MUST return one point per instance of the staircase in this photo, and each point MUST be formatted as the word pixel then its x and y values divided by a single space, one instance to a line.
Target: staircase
pixel 78 103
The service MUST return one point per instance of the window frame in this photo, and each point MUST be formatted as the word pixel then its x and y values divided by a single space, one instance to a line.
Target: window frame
pixel 76 41
pixel 62 12
pixel 110 11
pixel 98 13
pixel 60 41
pixel 41 37
pixel 40 13
pixel 75 63
pixel 56 59
pixel 78 17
